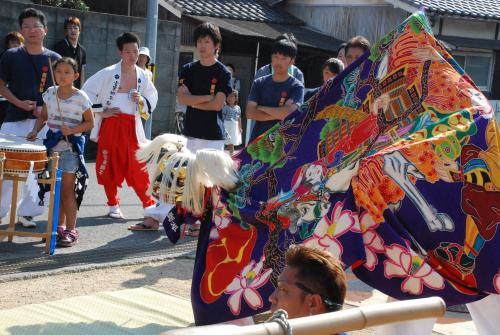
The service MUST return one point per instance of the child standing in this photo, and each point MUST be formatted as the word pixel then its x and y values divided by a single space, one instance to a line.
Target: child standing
pixel 65 137
pixel 231 113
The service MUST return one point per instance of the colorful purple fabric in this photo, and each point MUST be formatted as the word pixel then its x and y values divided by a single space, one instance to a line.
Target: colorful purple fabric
pixel 394 166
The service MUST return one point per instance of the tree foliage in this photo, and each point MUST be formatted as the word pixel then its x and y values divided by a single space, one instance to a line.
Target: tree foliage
pixel 73 4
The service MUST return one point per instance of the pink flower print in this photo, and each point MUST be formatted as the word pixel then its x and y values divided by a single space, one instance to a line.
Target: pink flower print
pixel 372 241
pixel 245 285
pixel 330 228
pixel 221 219
pixel 403 262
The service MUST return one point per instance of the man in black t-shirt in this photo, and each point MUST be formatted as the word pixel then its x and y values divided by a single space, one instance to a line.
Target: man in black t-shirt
pixel 70 47
pixel 203 87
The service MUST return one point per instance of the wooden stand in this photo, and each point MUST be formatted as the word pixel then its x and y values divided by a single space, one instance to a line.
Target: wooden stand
pixel 10 232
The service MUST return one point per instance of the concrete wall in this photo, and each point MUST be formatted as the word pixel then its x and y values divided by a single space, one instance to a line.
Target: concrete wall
pixel 344 22
pixel 98 36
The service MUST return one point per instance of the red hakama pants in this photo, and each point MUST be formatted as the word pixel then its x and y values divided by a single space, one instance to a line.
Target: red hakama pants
pixel 116 160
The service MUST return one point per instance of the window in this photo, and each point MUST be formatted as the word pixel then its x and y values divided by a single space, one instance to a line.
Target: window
pixel 477 65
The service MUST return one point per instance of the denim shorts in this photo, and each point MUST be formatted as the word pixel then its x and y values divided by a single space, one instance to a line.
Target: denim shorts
pixel 68 161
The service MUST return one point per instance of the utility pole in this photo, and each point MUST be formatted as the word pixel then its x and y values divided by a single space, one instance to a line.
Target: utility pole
pixel 151 35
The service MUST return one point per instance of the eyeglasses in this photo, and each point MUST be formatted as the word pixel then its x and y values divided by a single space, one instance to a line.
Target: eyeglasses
pixel 330 305
pixel 36 26
pixel 73 28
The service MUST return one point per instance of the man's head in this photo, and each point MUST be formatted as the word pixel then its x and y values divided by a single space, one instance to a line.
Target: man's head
pixel 312 282
pixel 33 25
pixel 128 48
pixel 208 38
pixel 13 40
pixel 72 28
pixel 355 47
pixel 341 53
pixel 283 53
pixel 331 68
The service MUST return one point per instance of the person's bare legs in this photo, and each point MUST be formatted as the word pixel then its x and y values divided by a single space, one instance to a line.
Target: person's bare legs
pixel 68 200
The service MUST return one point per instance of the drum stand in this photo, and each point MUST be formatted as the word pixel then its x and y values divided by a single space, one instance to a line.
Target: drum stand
pixel 10 232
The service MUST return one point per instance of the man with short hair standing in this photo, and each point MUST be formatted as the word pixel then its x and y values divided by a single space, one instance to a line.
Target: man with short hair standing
pixel 121 94
pixel 24 76
pixel 273 97
pixel 71 47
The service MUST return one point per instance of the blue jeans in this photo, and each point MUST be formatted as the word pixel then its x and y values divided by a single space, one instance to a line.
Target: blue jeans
pixel 68 161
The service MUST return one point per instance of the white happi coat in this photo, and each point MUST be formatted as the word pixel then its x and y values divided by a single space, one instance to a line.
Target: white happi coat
pixel 103 86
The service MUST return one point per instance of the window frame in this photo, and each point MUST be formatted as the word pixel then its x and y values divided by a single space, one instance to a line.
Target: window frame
pixel 479 53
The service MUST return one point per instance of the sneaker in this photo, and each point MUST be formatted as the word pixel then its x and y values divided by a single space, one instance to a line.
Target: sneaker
pixel 69 238
pixel 115 212
pixel 27 221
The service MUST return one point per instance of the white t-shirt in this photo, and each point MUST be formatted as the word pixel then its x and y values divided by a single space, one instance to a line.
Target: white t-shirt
pixel 72 109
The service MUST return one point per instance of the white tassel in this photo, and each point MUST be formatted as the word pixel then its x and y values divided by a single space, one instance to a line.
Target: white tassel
pixel 194 191
pixel 31 185
pixel 216 168
pixel 151 150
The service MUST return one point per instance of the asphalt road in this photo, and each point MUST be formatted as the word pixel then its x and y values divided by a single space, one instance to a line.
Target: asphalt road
pixel 103 240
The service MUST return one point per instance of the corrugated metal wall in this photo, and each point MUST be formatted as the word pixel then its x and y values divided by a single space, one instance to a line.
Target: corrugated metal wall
pixel 344 22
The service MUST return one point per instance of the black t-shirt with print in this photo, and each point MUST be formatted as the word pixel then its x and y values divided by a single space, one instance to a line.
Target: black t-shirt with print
pixel 205 80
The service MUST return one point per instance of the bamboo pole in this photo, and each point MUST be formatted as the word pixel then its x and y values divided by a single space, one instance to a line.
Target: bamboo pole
pixel 57 98
pixel 333 323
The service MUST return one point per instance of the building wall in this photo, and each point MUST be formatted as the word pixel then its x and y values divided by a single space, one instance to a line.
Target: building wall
pixel 346 21
pixel 98 36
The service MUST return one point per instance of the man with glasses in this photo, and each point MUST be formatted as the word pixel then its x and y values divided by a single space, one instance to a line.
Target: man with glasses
pixel 312 282
pixel 24 76
pixel 71 47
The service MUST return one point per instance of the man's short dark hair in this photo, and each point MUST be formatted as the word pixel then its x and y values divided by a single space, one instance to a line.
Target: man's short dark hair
pixel 287 36
pixel 318 271
pixel 32 12
pixel 335 65
pixel 231 66
pixel 127 38
pixel 284 47
pixel 207 29
pixel 358 42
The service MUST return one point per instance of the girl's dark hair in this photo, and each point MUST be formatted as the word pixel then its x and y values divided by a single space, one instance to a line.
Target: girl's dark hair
pixel 32 12
pixel 13 36
pixel 236 95
pixel 335 65
pixel 342 46
pixel 207 29
pixel 127 38
pixel 67 60
pixel 284 47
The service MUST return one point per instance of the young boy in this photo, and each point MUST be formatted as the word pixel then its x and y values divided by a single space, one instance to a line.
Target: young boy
pixel 203 87
pixel 121 93
pixel 273 97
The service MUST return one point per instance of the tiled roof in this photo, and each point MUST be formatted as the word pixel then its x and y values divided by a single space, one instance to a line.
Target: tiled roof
pixel 305 36
pixel 483 9
pixel 247 10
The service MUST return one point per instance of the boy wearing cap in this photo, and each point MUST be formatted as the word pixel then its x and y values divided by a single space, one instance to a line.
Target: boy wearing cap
pixel 143 61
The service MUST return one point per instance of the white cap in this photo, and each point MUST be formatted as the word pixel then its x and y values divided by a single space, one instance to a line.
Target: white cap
pixel 144 51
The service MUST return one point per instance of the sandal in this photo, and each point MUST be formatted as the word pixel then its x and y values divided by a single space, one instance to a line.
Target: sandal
pixel 69 238
pixel 194 230
pixel 142 226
